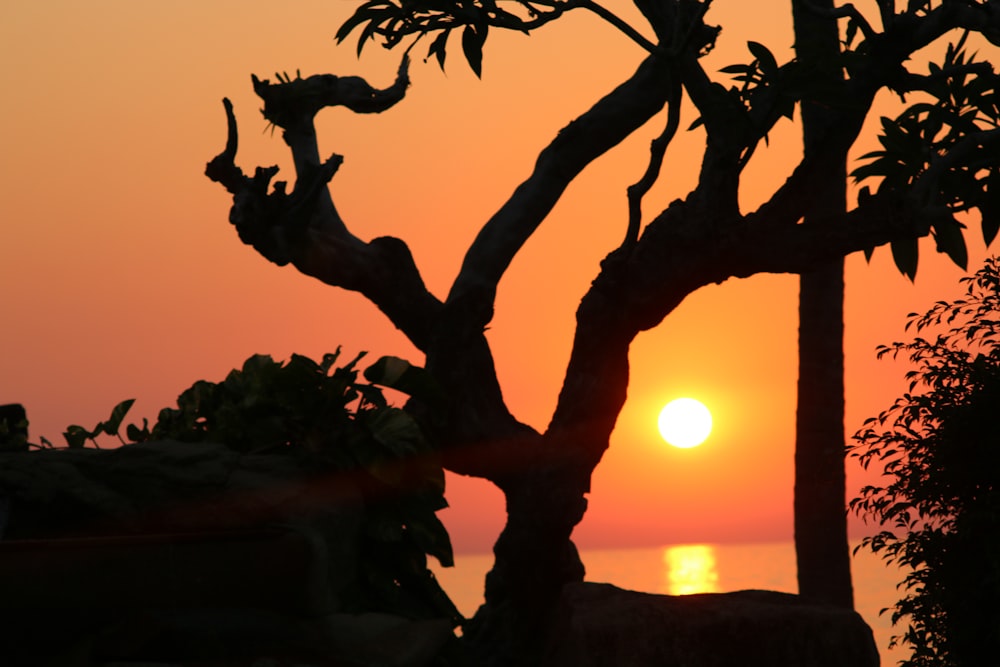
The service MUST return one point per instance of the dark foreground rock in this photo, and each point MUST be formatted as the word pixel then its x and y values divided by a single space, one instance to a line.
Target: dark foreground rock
pixel 600 625
pixel 172 553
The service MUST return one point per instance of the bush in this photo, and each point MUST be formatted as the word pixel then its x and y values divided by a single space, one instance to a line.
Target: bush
pixel 940 507
pixel 331 423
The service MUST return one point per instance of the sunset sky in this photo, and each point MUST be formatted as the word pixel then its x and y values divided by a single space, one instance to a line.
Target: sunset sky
pixel 122 278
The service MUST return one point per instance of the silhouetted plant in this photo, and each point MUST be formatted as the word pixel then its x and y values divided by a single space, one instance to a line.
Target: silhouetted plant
pixel 666 254
pixel 940 506
pixel 13 428
pixel 325 417
pixel 960 119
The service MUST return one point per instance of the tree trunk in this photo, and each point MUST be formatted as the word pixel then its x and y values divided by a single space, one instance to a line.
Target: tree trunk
pixel 821 548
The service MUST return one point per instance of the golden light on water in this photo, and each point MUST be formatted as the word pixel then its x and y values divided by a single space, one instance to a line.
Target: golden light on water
pixel 690 568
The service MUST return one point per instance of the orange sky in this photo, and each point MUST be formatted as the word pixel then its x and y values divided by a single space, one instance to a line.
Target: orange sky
pixel 122 278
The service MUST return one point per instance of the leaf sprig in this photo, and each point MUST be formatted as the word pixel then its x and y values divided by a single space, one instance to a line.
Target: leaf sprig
pixel 392 21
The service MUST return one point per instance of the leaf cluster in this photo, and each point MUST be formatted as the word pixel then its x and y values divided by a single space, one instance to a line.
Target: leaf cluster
pixel 13 429
pixel 392 21
pixel 939 505
pixel 338 426
pixel 766 90
pixel 77 436
pixel 939 149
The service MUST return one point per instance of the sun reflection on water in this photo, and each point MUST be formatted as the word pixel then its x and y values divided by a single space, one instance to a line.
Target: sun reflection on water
pixel 690 568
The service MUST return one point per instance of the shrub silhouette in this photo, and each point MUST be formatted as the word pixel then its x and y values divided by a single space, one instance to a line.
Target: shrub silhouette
pixel 940 505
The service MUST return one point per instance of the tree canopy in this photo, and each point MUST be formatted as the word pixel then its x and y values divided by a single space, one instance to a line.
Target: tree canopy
pixel 698 240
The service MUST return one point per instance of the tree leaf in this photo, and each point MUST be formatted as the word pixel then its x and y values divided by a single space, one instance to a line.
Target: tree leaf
pixel 395 430
pixel 401 375
pixel 473 38
pixel 765 59
pixel 136 434
pixel 387 371
pixel 360 15
pixel 432 537
pixel 438 46
pixel 951 242
pixel 883 166
pixel 76 436
pixel 366 34
pixel 905 253
pixel 736 69
pixel 851 31
pixel 989 209
pixel 117 415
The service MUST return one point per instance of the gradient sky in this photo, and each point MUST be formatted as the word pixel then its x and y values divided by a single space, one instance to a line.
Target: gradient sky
pixel 121 276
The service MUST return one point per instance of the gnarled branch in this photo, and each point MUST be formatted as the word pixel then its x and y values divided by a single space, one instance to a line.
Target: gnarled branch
pixel 303 227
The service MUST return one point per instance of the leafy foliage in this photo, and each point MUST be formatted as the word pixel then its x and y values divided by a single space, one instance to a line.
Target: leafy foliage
pixel 944 150
pixel 392 21
pixel 77 436
pixel 336 424
pixel 940 506
pixel 13 428
pixel 766 91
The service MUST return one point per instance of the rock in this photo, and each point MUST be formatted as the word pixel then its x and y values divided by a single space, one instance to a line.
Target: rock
pixel 385 639
pixel 280 568
pixel 225 636
pixel 163 486
pixel 599 625
pixel 56 493
pixel 176 552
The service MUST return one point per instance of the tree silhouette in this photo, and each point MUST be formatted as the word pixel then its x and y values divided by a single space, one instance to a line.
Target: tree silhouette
pixel 701 239
pixel 820 525
pixel 939 499
pixel 821 548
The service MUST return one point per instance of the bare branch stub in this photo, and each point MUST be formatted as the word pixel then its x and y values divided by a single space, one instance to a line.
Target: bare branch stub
pixel 222 169
pixel 293 102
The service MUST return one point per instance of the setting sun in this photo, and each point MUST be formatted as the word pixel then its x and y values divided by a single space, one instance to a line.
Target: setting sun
pixel 685 422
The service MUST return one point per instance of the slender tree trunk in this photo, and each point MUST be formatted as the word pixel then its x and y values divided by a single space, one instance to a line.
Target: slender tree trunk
pixel 821 548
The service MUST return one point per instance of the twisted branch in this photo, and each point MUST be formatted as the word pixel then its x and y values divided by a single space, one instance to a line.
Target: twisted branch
pixel 303 227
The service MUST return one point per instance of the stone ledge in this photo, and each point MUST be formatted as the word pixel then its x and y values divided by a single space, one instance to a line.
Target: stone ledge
pixel 600 625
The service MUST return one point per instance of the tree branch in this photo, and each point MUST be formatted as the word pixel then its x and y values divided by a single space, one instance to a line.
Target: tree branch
pixel 304 228
pixel 684 248
pixel 677 255
pixel 605 125
pixel 844 11
pixel 621 25
pixel 657 150
pixel 926 82
pixel 292 101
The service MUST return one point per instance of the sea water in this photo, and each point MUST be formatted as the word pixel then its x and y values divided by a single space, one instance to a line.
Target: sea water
pixel 705 568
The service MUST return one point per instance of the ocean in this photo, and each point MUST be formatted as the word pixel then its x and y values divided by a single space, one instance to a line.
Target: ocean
pixel 704 568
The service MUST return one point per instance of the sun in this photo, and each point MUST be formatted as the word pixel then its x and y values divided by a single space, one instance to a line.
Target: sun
pixel 685 422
